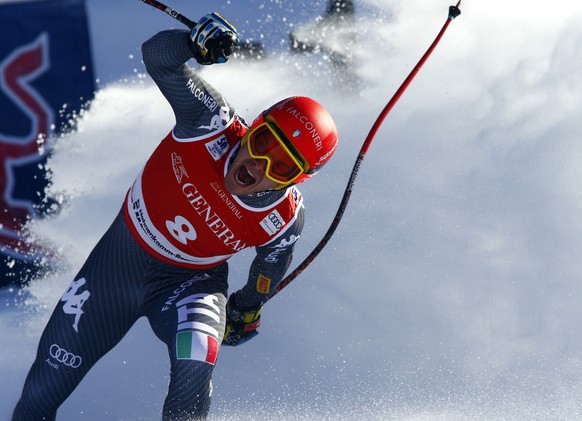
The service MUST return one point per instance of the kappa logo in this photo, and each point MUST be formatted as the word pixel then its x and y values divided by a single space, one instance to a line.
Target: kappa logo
pixel 273 257
pixel 218 122
pixel 284 243
pixel 17 73
pixel 74 302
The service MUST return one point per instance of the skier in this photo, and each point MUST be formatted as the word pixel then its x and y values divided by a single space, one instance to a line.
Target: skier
pixel 213 187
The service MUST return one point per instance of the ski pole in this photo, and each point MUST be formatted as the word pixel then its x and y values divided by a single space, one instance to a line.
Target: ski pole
pixel 178 16
pixel 454 11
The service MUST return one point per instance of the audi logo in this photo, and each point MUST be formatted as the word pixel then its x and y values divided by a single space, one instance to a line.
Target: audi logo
pixel 65 357
pixel 276 221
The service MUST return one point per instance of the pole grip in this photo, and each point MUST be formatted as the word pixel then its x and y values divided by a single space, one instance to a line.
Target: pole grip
pixel 168 10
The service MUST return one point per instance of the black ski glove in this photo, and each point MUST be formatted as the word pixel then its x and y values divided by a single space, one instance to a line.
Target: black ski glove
pixel 214 39
pixel 241 325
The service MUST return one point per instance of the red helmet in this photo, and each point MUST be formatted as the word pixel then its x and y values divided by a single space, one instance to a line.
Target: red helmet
pixel 308 126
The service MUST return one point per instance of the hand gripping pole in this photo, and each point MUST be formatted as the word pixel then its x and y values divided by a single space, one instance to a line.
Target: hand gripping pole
pixel 166 9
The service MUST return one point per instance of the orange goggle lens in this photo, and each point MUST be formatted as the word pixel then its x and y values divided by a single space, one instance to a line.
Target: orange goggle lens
pixel 283 165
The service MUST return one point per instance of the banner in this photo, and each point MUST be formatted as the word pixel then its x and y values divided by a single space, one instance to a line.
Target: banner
pixel 46 75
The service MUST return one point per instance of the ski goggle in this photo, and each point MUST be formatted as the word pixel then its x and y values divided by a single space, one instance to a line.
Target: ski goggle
pixel 284 163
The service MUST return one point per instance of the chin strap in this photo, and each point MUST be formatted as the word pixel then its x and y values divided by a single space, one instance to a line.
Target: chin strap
pixel 281 187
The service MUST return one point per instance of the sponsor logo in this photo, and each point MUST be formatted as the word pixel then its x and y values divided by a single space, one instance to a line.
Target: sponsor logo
pixel 64 357
pixel 219 120
pixel 296 195
pixel 74 302
pixel 273 222
pixel 180 228
pixel 178 167
pixel 176 293
pixel 261 193
pixel 142 221
pixel 211 219
pixel 202 96
pixel 326 155
pixel 309 126
pixel 263 284
pixel 217 147
pixel 18 73
pixel 273 257
pixel 225 198
pixel 196 338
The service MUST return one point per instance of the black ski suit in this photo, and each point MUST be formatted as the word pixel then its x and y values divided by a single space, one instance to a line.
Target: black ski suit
pixel 121 281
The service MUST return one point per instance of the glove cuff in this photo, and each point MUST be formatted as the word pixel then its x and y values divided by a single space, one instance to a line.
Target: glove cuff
pixel 197 54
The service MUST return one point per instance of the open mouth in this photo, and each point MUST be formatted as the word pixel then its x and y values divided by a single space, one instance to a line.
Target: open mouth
pixel 244 177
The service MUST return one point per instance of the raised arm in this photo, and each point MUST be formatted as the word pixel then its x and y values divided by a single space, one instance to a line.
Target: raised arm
pixel 198 107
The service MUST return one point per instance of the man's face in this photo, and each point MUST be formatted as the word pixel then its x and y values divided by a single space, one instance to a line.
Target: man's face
pixel 246 175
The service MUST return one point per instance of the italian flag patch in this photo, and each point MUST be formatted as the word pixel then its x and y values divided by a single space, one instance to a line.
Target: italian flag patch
pixel 194 345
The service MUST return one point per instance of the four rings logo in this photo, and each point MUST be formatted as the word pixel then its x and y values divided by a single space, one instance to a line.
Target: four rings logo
pixel 64 357
pixel 273 222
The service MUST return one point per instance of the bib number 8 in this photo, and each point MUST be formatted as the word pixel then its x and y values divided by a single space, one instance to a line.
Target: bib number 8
pixel 181 229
